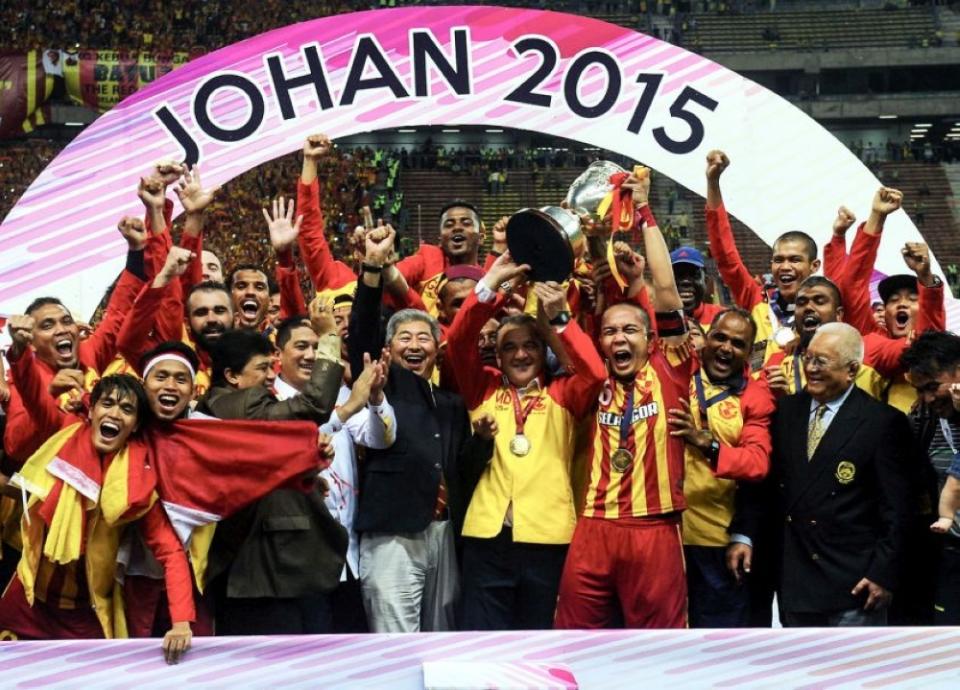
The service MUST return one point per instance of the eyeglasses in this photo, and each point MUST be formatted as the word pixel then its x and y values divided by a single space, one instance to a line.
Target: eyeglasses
pixel 816 362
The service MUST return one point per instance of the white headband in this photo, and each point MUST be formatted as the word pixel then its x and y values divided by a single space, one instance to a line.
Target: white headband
pixel 169 356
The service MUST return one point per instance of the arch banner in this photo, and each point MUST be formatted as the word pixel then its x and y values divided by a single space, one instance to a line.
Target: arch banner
pixel 560 74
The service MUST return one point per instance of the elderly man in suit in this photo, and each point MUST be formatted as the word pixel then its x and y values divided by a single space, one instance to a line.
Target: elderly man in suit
pixel 838 489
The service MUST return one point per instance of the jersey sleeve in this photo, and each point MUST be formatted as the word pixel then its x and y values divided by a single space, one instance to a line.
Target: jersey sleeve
pixel 750 458
pixel 746 293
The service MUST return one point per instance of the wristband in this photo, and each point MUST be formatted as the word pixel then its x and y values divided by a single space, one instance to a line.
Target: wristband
pixel 561 319
pixel 645 216
pixel 368 268
pixel 713 453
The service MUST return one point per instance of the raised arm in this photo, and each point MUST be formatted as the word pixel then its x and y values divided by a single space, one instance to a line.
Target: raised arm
pixel 194 199
pixel 835 251
pixel 930 310
pixel 746 293
pixel 326 272
pixel 283 236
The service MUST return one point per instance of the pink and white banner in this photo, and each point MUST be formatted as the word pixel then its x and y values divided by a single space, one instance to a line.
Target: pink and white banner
pixel 812 659
pixel 575 77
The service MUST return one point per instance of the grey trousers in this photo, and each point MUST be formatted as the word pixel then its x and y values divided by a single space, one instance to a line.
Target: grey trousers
pixel 410 581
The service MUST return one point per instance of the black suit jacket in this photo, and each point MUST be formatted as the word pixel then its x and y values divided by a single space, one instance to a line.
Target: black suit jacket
pixel 840 516
pixel 287 544
pixel 399 484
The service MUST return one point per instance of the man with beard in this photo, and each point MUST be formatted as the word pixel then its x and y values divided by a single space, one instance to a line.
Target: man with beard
pixel 626 551
pixel 692 285
pixel 48 356
pixel 838 494
pixel 521 516
pixel 272 564
pixel 413 495
pixel 933 367
pixel 912 302
pixel 794 259
pixel 726 431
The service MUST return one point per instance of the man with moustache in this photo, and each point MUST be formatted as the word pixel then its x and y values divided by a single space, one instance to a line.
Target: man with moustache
pixel 413 495
pixel 521 516
pixel 838 493
pixel 626 557
pixel 688 266
pixel 726 431
pixel 794 259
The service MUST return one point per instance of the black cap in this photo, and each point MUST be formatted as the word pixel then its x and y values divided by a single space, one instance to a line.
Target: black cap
pixel 891 285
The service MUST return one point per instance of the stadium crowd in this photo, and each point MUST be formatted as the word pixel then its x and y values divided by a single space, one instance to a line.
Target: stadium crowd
pixel 438 443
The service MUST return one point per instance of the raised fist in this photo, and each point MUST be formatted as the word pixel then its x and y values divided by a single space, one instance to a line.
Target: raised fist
pixel 21 331
pixel 845 218
pixel 168 171
pixel 717 162
pixel 133 232
pixel 887 200
pixel 916 255
pixel 379 245
pixel 317 146
pixel 151 191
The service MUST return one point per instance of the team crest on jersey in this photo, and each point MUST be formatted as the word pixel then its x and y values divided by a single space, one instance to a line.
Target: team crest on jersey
pixel 639 413
pixel 728 409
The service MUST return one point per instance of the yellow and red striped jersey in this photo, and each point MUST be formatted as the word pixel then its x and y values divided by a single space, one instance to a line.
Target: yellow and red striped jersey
pixel 652 484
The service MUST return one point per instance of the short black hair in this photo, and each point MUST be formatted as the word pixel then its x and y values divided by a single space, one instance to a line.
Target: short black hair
pixel 234 349
pixel 458 203
pixel 207 286
pixel 125 386
pixel 172 347
pixel 932 353
pixel 737 311
pixel 822 281
pixel 246 267
pixel 285 328
pixel 42 302
pixel 799 236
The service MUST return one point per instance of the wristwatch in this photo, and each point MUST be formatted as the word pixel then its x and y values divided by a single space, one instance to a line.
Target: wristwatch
pixel 712 453
pixel 561 319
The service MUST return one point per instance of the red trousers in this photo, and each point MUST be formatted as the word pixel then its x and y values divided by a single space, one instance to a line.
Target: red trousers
pixel 148 614
pixel 635 565
pixel 20 621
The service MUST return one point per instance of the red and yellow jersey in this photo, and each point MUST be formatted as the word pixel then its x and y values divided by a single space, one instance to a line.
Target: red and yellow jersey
pixel 652 483
pixel 705 313
pixel 739 420
pixel 536 488
pixel 423 272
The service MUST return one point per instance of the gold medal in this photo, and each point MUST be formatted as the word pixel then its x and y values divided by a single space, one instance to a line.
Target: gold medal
pixel 519 445
pixel 621 459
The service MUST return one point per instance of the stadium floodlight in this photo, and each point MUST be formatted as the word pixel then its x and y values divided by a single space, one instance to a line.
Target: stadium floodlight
pixel 450 131
pixel 74 124
pixel 922 125
pixel 407 131
pixel 493 131
pixel 887 117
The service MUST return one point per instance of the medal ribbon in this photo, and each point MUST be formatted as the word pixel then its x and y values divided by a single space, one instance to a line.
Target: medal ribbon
pixel 626 419
pixel 706 404
pixel 778 319
pixel 521 416
pixel 797 382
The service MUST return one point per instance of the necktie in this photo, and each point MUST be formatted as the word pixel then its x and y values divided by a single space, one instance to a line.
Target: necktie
pixel 815 431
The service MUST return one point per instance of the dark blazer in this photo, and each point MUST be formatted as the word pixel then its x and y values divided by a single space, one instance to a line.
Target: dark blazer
pixel 399 484
pixel 287 544
pixel 840 516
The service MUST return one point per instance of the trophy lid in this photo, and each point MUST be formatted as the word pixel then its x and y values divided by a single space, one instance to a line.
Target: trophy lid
pixel 538 239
